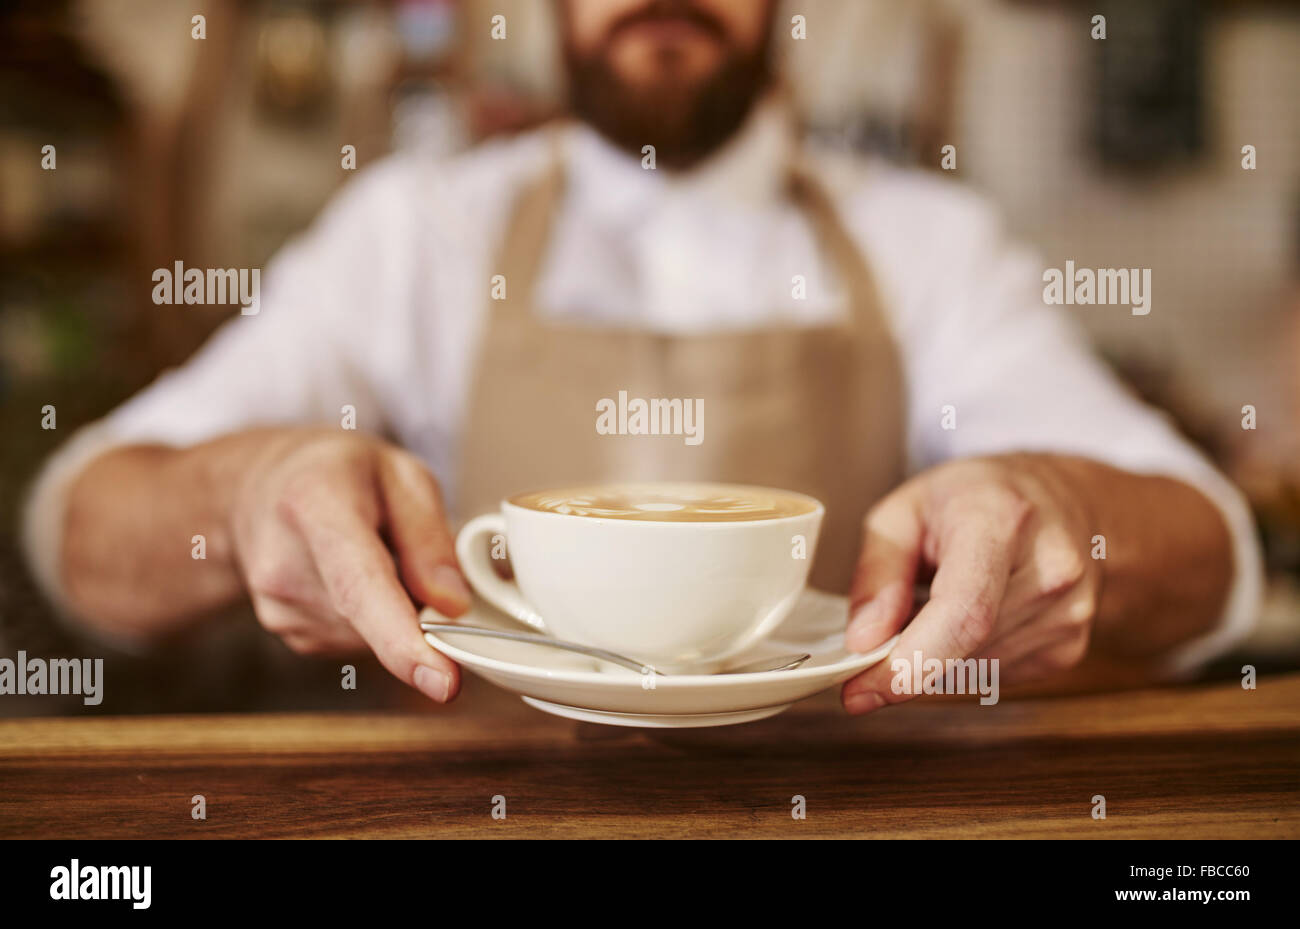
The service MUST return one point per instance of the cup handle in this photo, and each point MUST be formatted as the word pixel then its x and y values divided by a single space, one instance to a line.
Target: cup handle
pixel 472 553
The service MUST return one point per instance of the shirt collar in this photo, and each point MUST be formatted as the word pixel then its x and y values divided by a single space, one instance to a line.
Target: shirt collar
pixel 748 171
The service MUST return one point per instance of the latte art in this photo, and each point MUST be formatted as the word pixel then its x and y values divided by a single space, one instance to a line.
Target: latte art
pixel 669 502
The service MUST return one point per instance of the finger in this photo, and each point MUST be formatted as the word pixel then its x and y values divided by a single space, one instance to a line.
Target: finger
pixel 416 519
pixel 361 579
pixel 305 632
pixel 978 543
pixel 880 597
pixel 1047 661
pixel 1067 619
pixel 1053 567
pixel 277 564
pixel 1021 641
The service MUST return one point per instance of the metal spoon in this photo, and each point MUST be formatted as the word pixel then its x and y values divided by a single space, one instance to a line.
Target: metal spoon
pixel 780 663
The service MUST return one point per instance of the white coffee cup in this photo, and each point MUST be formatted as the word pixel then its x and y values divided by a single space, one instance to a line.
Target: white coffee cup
pixel 677 595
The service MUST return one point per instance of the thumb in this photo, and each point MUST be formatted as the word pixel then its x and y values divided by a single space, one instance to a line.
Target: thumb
pixel 880 597
pixel 417 524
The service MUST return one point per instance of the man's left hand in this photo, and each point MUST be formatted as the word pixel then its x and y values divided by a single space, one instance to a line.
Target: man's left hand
pixel 1009 542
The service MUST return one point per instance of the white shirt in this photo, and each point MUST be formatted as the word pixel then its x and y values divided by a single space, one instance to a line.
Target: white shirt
pixel 381 303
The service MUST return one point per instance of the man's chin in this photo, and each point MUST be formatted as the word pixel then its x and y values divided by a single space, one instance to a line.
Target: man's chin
pixel 684 116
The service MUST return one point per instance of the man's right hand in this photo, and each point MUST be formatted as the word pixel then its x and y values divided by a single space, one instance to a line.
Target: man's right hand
pixel 331 534
pixel 309 526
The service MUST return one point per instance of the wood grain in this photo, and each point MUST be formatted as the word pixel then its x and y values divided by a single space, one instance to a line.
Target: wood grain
pixel 1180 762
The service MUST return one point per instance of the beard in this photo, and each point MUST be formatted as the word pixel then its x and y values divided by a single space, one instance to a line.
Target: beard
pixel 685 121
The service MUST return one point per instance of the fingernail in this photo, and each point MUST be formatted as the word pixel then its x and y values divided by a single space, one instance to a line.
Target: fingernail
pixel 434 684
pixel 858 704
pixel 448 580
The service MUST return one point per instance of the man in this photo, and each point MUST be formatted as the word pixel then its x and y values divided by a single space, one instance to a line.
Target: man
pixel 921 346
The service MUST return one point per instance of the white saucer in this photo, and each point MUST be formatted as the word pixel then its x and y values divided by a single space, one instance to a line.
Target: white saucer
pixel 648 721
pixel 592 690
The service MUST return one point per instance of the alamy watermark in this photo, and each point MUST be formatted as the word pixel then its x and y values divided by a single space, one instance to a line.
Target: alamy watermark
pixel 53 676
pixel 919 675
pixel 1085 286
pixel 103 882
pixel 658 416
pixel 181 285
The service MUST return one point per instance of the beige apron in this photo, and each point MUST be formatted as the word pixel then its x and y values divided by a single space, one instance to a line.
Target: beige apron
pixel 818 410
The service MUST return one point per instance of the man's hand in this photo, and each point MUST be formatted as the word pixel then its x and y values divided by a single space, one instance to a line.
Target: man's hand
pixel 331 534
pixel 1010 541
pixel 309 524
pixel 1013 578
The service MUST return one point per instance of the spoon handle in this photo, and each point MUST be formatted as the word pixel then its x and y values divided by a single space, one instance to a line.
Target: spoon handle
pixel 535 639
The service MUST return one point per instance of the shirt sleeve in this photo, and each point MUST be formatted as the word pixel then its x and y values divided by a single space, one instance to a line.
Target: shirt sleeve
pixel 1019 375
pixel 297 357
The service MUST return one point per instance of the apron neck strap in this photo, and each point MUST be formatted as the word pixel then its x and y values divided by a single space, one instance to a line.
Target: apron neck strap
pixel 528 229
pixel 836 242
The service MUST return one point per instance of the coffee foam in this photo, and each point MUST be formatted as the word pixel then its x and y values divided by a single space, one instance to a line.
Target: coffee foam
pixel 701 503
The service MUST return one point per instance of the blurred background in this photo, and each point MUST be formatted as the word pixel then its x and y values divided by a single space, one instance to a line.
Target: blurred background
pixel 1117 153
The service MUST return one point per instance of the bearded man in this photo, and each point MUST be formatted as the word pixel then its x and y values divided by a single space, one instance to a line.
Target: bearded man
pixel 855 331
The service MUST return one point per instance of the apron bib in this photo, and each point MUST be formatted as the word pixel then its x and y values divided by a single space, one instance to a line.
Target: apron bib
pixel 812 409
